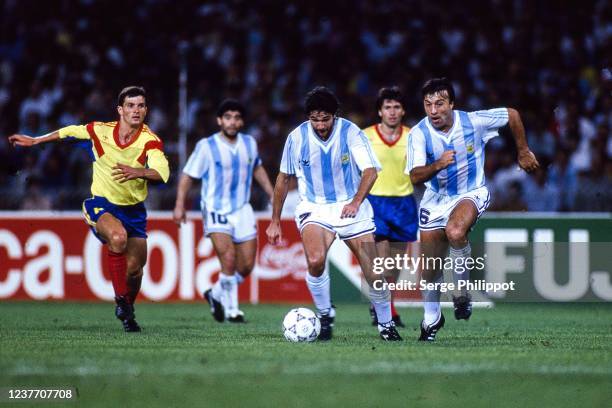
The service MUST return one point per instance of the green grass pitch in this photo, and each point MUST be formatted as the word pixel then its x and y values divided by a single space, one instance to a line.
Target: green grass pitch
pixel 511 355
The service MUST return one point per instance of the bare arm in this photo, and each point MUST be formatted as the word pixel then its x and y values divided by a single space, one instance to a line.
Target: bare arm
pixel 261 176
pixel 526 159
pixel 280 194
pixel 123 173
pixel 184 185
pixel 281 188
pixel 421 174
pixel 28 141
pixel 368 177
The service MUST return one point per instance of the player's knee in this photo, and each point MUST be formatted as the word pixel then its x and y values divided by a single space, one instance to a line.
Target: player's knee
pixel 455 233
pixel 134 267
pixel 228 261
pixel 118 241
pixel 246 269
pixel 316 261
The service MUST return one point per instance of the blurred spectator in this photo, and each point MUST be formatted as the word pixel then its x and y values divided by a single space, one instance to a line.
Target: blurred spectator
pixel 550 60
pixel 539 195
pixel 33 198
pixel 563 177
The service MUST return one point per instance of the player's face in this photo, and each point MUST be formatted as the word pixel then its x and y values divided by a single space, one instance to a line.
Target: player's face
pixel 391 113
pixel 321 122
pixel 439 110
pixel 133 111
pixel 230 123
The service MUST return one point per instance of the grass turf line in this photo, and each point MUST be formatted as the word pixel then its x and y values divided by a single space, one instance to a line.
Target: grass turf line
pixel 520 354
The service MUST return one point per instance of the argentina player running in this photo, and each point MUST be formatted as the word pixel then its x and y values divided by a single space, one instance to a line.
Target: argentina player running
pixel 226 162
pixel 335 169
pixel 446 151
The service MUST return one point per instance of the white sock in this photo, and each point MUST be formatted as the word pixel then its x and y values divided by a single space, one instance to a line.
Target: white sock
pixel 239 278
pixel 319 288
pixel 431 304
pixel 217 290
pixel 459 256
pixel 381 300
pixel 227 284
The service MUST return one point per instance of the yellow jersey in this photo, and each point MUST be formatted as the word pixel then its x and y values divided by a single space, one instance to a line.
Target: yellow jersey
pixel 391 181
pixel 145 150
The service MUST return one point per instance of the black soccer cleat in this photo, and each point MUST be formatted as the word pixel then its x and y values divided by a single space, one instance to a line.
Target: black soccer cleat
pixel 327 325
pixel 216 307
pixel 463 307
pixel 238 318
pixel 429 333
pixel 130 326
pixel 124 311
pixel 389 333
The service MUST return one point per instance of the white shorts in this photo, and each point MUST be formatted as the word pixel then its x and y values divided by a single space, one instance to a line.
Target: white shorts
pixel 328 217
pixel 240 224
pixel 435 208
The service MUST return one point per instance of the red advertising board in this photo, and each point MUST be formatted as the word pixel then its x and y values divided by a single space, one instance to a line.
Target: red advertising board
pixel 46 256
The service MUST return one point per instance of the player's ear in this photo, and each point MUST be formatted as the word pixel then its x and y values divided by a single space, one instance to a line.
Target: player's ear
pixel 218 121
pixel 119 110
pixel 379 113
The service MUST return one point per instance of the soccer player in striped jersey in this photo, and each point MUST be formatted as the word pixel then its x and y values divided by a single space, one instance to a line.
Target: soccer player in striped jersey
pixel 395 210
pixel 226 162
pixel 446 152
pixel 335 169
pixel 126 156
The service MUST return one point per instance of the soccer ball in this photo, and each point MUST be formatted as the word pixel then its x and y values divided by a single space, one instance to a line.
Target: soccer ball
pixel 301 325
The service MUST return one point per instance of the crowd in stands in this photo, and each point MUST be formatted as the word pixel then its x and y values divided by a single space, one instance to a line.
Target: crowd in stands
pixel 64 62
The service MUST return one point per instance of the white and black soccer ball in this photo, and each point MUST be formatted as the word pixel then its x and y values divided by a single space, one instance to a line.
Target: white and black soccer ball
pixel 301 325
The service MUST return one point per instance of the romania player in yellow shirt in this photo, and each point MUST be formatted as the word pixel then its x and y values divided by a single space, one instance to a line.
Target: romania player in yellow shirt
pixel 395 210
pixel 126 156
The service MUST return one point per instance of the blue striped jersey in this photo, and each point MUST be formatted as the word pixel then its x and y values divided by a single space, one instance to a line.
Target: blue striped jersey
pixel 226 170
pixel 328 171
pixel 467 137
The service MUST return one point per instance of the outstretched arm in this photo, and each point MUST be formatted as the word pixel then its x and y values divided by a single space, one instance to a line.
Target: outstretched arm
pixel 526 159
pixel 28 141
pixel 261 176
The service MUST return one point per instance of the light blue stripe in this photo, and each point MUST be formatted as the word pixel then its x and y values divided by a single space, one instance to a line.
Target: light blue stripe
pixel 349 186
pixel 452 180
pixel 328 176
pixel 218 192
pixel 429 154
pixel 468 139
pixel 235 176
pixel 251 163
pixel 305 159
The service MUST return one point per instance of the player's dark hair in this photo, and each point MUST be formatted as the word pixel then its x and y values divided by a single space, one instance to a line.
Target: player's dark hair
pixel 321 99
pixel 392 93
pixel 130 92
pixel 230 105
pixel 439 85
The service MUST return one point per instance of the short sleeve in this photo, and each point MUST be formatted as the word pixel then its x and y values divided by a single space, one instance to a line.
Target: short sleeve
pixel 197 164
pixel 76 131
pixel 416 154
pixel 287 165
pixel 156 160
pixel 489 121
pixel 361 150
